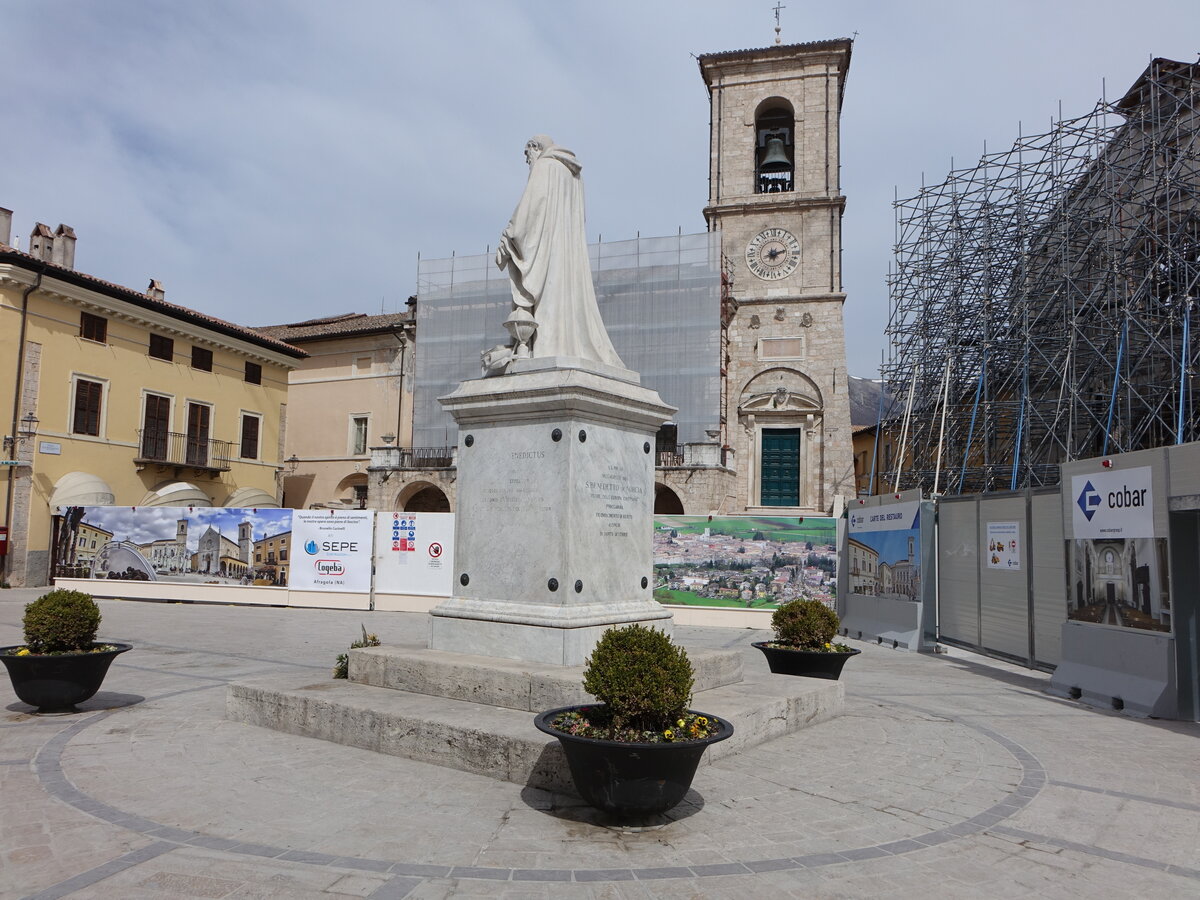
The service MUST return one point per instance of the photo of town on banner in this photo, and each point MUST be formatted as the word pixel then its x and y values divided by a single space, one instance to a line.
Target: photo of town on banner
pixel 1119 581
pixel 182 544
pixel 885 563
pixel 745 562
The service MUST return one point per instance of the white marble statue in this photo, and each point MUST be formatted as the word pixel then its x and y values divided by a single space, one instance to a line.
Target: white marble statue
pixel 545 251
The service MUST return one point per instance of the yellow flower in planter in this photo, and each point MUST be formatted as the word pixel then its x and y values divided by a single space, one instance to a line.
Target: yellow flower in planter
pixel 24 651
pixel 668 734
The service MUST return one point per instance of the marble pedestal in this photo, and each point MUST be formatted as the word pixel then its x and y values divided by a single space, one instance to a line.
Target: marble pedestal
pixel 555 511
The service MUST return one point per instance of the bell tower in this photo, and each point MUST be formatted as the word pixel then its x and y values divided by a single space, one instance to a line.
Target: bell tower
pixel 775 196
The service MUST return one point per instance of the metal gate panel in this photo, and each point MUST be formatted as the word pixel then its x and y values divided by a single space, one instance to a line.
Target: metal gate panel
pixel 958 571
pixel 1048 549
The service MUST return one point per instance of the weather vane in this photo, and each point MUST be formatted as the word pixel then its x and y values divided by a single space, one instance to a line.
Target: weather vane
pixel 778 7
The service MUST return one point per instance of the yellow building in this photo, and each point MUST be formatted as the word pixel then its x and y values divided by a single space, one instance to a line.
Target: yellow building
pixel 112 396
pixel 271 558
pixel 352 394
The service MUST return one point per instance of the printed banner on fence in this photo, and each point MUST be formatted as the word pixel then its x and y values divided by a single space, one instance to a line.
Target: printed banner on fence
pixel 883 551
pixel 893 517
pixel 192 545
pixel 333 550
pixel 1113 504
pixel 414 553
pixel 744 562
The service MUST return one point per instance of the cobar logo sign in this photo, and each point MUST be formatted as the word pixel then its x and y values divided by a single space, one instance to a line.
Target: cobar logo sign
pixel 1116 504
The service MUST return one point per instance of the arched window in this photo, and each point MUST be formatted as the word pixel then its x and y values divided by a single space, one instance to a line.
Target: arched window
pixel 774 147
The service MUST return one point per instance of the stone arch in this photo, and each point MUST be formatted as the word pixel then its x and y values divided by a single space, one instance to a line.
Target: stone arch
pixel 782 412
pixel 666 501
pixel 762 393
pixel 422 496
pixel 353 489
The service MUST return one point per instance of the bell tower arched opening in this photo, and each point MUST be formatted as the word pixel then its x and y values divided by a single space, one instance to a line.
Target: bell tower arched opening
pixel 774 147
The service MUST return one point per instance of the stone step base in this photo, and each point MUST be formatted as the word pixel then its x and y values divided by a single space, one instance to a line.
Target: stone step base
pixel 532 687
pixel 498 742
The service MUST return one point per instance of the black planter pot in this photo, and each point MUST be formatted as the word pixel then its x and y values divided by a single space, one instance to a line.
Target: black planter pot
pixel 630 781
pixel 809 663
pixel 56 683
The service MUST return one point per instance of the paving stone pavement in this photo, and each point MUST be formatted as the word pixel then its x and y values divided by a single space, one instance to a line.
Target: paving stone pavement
pixel 948 776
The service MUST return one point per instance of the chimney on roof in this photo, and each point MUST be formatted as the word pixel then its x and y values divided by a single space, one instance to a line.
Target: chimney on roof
pixel 155 290
pixel 41 242
pixel 5 226
pixel 64 247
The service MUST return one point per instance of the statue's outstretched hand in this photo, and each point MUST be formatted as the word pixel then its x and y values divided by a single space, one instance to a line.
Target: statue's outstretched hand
pixel 501 257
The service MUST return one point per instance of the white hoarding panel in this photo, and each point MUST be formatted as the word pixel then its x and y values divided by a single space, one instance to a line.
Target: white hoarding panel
pixel 414 553
pixel 331 550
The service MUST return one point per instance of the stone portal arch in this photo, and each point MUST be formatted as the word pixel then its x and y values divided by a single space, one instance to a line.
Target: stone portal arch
pixel 421 496
pixel 782 412
pixel 666 501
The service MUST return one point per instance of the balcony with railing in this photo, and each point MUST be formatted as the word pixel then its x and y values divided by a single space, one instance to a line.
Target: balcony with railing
pixel 171 448
pixel 412 457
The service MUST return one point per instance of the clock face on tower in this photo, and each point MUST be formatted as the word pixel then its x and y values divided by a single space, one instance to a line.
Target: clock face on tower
pixel 773 254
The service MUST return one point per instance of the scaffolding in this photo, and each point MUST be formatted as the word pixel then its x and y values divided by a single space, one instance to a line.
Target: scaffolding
pixel 1042 301
pixel 660 299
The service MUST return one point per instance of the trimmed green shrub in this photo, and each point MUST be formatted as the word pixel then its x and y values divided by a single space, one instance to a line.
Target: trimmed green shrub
pixel 805 624
pixel 644 679
pixel 61 621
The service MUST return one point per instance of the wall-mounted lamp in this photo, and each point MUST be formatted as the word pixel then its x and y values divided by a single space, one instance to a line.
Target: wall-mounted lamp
pixel 27 430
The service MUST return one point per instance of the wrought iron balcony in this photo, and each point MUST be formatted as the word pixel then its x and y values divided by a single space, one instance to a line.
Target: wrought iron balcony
pixel 170 448
pixel 426 457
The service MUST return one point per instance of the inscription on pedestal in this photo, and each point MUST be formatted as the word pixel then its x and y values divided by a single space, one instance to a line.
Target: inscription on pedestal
pixel 615 499
pixel 519 491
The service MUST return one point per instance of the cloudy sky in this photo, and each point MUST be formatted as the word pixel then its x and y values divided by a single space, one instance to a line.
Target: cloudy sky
pixel 272 161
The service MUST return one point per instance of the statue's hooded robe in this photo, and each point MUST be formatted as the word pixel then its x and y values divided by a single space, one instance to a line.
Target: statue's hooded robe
pixel 547 260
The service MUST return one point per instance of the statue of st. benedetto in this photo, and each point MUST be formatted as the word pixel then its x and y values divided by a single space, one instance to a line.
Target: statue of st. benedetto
pixel 545 251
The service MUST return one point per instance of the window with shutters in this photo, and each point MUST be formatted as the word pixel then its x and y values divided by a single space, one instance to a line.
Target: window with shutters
pixel 156 426
pixel 251 425
pixel 162 347
pixel 89 399
pixel 253 373
pixel 202 359
pixel 93 328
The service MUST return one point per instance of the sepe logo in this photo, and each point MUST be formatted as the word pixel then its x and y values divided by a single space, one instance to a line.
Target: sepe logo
pixel 330 567
pixel 1088 500
pixel 311 548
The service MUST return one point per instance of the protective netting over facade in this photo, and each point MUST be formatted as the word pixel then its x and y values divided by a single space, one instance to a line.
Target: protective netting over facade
pixel 1043 301
pixel 660 299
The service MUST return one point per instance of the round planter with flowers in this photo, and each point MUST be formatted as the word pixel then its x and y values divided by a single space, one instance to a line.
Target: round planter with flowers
pixel 804 641
pixel 635 753
pixel 61 663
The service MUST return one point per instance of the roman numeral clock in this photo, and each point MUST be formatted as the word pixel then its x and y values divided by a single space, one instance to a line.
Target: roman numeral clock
pixel 773 254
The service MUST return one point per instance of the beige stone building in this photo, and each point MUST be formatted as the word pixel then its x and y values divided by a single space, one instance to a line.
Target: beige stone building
pixel 352 393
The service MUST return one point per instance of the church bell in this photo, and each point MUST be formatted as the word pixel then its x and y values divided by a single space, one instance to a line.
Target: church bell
pixel 775 158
